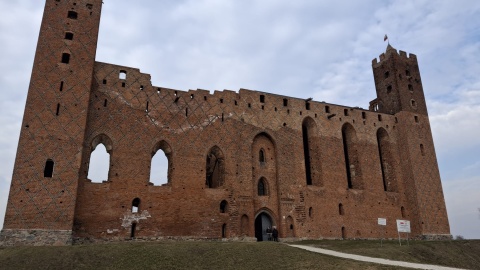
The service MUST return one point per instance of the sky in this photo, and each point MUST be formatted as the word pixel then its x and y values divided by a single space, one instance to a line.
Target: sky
pixel 303 48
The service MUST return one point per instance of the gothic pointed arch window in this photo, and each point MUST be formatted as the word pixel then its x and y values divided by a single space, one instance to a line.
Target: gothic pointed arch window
pixel 215 168
pixel 352 160
pixel 99 159
pixel 262 187
pixel 136 205
pixel 311 152
pixel 386 161
pixel 161 164
pixel 223 206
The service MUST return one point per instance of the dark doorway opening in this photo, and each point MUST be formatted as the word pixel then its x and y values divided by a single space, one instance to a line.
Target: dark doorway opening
pixel 262 222
pixel 132 233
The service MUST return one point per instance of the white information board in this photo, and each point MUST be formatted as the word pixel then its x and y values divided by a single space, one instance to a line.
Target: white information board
pixel 382 221
pixel 403 226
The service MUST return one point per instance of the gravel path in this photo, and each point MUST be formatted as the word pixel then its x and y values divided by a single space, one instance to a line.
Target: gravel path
pixel 373 260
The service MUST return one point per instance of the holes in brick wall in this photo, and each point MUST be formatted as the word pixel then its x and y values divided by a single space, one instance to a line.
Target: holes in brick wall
pixel 123 84
pixel 236 103
pixel 48 170
pixel 416 119
pixel 327 109
pixel 285 102
pixel 262 98
pixel 387 74
pixel 396 120
pixel 122 75
pixel 402 211
pixel 221 100
pixel 141 87
pixel 262 187
pixel 344 233
pixel 186 112
pixel 364 115
pixel 191 96
pixel 65 58
pixel 205 98
pixel 407 72
pixel 104 81
pixel 224 230
pixel 307 106
pixel 341 210
pixel 72 15
pixel 158 91
pixel 135 205
pixel 263 108
pixel 61 86
pixel 224 206
pixel 133 229
pixel 146 107
pixel 380 117
pixel 422 149
pixel 389 89
pixel 105 103
pixel 249 105
pixel 69 35
pixel 222 117
pixel 58 110
pixel 410 88
pixel 345 112
pixel 413 103
pixel 310 212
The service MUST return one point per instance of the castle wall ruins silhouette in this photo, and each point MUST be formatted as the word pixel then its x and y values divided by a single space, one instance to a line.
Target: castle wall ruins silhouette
pixel 238 162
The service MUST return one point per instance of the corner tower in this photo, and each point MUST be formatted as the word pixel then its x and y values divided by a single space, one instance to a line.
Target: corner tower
pixel 400 93
pixel 44 184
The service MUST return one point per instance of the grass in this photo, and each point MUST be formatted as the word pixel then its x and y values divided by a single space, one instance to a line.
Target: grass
pixel 460 254
pixel 174 255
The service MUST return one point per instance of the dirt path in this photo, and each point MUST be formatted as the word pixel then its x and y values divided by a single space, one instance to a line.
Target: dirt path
pixel 374 260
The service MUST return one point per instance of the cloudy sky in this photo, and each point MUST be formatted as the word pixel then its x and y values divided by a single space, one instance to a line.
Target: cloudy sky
pixel 302 48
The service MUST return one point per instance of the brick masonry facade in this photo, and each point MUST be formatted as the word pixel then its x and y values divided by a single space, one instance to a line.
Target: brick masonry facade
pixel 238 161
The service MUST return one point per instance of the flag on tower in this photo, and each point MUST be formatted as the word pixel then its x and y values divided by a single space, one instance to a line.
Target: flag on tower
pixel 385 38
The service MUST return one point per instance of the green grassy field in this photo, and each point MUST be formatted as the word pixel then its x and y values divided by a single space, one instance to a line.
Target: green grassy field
pixel 233 255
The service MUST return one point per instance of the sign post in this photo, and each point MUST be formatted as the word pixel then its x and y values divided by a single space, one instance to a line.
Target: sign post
pixel 403 226
pixel 382 222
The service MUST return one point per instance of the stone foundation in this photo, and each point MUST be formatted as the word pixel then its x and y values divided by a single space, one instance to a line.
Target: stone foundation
pixel 35 238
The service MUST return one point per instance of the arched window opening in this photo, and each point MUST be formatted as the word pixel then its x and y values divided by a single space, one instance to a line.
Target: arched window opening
pixel 261 156
pixel 341 211
pixel 99 164
pixel 215 168
pixel 224 230
pixel 122 75
pixel 223 206
pixel 159 169
pixel 307 126
pixel 65 58
pixel 262 187
pixel 48 170
pixel 290 227
pixel 386 161
pixel 352 161
pixel 136 205
pixel 402 210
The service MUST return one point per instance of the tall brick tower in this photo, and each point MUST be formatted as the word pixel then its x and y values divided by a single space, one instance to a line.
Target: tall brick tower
pixel 400 93
pixel 43 191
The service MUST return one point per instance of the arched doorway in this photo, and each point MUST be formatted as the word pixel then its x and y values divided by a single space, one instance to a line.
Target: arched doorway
pixel 262 222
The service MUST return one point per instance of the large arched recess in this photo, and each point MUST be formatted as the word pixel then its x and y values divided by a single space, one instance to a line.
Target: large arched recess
pixel 215 168
pixel 352 160
pixel 386 160
pixel 263 220
pixel 311 152
pixel 99 163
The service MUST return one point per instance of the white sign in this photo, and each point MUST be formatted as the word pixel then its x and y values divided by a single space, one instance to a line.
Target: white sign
pixel 382 221
pixel 403 226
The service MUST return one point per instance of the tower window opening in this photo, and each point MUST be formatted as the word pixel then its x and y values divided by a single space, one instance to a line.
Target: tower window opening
pixel 262 187
pixel 327 109
pixel 307 106
pixel 221 100
pixel 345 112
pixel 416 119
pixel 69 35
pixel 387 74
pixel 65 58
pixel 364 115
pixel 261 156
pixel 122 75
pixel 72 15
pixel 48 170
pixel 135 205
pixel 262 98
pixel 223 207
pixel 413 103
pixel 285 102
pixel 379 117
pixel 422 149
pixel 341 211
pixel 389 89
pixel 58 110
pixel 105 103
pixel 410 87
pixel 104 81
pixel 61 86
pixel 407 72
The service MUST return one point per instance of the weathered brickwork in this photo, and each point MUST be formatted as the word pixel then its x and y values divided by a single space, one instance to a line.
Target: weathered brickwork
pixel 238 161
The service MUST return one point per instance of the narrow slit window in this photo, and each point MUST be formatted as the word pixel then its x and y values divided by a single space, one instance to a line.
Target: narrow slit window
pixel 48 170
pixel 65 58
pixel 341 211
pixel 327 109
pixel 307 106
pixel 387 74
pixel 262 189
pixel 422 149
pixel 261 156
pixel 58 110
pixel 61 86
pixel 105 103
pixel 223 207
pixel 285 102
pixel 379 117
pixel 410 87
pixel 389 89
pixel 416 119
pixel 262 98
pixel 364 115
pixel 345 112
